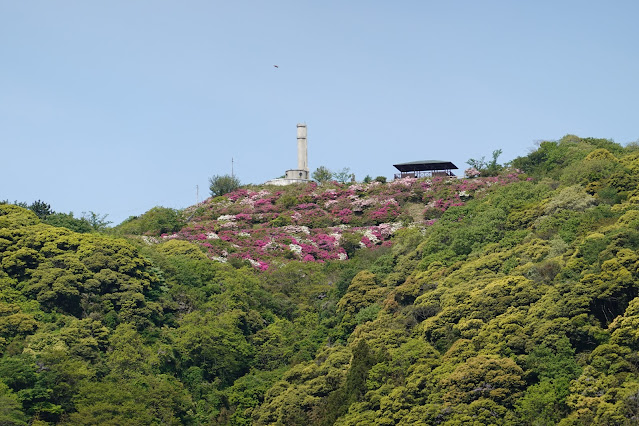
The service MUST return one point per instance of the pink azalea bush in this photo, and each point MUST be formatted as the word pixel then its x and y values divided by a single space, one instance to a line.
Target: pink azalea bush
pixel 471 172
pixel 267 226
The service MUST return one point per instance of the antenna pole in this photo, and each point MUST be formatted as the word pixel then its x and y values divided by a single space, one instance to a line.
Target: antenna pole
pixel 197 194
pixel 232 161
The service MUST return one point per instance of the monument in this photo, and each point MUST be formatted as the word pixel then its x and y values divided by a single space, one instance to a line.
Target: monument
pixel 301 174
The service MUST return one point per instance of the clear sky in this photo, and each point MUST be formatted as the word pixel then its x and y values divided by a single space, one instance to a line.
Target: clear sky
pixel 118 106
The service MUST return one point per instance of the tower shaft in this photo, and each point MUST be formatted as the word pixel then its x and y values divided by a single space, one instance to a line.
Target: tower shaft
pixel 302 148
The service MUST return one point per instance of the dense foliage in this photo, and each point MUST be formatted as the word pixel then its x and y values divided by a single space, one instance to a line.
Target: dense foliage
pixel 156 221
pixel 511 299
pixel 89 222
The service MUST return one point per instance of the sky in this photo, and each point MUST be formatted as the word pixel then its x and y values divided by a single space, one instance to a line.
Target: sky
pixel 118 106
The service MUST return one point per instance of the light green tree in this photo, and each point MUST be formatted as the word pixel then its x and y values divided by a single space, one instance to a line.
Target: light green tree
pixel 322 174
pixel 487 168
pixel 343 176
pixel 97 221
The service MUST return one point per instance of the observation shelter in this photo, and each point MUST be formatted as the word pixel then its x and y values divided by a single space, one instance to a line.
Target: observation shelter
pixel 425 168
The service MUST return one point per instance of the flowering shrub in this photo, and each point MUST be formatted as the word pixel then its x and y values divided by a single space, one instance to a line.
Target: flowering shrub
pixel 471 172
pixel 309 223
pixel 243 216
pixel 389 211
pixel 345 215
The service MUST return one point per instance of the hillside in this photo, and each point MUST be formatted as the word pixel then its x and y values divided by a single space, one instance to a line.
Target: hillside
pixel 510 299
pixel 273 225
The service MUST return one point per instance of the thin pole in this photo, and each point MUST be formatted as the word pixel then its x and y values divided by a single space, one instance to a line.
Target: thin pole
pixel 197 194
pixel 232 175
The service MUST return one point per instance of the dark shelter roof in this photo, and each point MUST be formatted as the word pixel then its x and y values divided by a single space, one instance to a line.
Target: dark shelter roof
pixel 426 165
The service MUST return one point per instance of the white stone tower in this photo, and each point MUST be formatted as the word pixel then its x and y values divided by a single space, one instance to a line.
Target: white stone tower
pixel 302 148
pixel 301 174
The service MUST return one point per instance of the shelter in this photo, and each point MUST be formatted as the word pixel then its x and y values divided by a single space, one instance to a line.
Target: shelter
pixel 424 168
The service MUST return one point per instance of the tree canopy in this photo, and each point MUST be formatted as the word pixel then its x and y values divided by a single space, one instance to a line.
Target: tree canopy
pixel 507 299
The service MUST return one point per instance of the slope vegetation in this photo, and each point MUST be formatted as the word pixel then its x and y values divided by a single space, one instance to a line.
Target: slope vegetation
pixel 504 300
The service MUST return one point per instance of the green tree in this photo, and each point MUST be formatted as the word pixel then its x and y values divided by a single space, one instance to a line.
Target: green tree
pixel 354 387
pixel 157 399
pixel 343 176
pixel 487 168
pixel 128 355
pixel 499 379
pixel 223 184
pixel 363 291
pixel 322 174
pixel 214 343
pixel 98 222
pixel 10 408
pixel 158 220
pixel 41 209
pixel 66 220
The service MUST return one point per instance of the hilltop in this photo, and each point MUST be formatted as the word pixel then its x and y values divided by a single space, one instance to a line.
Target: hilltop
pixel 510 299
pixel 315 223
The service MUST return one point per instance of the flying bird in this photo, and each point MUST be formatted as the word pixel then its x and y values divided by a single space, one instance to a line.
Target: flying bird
pixel 276 66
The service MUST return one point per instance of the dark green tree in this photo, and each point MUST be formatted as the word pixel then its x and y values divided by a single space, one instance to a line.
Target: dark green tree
pixel 66 220
pixel 223 184
pixel 41 209
pixel 354 387
pixel 10 408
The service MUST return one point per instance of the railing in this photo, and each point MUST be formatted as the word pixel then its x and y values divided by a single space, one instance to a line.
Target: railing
pixel 421 174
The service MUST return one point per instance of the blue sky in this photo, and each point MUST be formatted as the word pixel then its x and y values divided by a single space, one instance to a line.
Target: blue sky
pixel 118 106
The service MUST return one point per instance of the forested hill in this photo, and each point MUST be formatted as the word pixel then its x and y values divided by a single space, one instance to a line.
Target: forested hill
pixel 505 299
